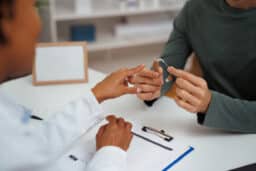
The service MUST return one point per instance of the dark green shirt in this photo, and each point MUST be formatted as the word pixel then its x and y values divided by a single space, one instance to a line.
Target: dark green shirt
pixel 224 40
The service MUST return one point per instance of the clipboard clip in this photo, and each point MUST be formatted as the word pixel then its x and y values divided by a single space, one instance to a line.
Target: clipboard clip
pixel 160 133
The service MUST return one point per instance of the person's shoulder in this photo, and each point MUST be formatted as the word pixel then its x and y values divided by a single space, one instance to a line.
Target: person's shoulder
pixel 193 5
pixel 199 3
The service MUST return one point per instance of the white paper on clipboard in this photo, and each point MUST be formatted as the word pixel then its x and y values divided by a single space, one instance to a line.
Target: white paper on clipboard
pixel 144 155
pixel 141 155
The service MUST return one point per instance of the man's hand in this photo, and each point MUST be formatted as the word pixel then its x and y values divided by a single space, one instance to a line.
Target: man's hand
pixel 149 82
pixel 116 133
pixel 116 84
pixel 192 92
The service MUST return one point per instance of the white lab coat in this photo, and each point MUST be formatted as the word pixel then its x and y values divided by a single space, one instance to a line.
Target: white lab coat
pixel 23 148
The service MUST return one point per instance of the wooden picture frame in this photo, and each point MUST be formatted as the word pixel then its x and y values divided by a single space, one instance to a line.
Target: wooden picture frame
pixel 66 45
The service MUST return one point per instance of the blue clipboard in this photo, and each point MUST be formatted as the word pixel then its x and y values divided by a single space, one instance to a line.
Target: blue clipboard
pixel 186 153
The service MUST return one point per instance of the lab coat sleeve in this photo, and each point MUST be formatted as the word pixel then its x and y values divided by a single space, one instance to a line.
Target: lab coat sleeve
pixel 70 124
pixel 108 159
pixel 33 149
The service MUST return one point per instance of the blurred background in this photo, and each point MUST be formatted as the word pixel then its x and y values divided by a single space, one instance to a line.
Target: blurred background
pixel 120 33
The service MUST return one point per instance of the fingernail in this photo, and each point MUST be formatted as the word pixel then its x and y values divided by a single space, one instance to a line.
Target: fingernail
pixel 138 90
pixel 170 68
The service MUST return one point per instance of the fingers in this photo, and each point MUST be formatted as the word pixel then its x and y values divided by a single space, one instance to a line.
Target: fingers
pixel 124 124
pixel 101 130
pixel 116 133
pixel 131 90
pixel 118 121
pixel 128 125
pixel 187 86
pixel 145 88
pixel 187 76
pixel 185 105
pixel 157 67
pixel 121 122
pixel 145 96
pixel 111 119
pixel 146 80
pixel 187 97
pixel 149 74
pixel 133 71
pixel 160 70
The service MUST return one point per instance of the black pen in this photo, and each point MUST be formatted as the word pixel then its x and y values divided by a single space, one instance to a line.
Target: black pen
pixel 74 158
pixel 36 118
pixel 151 141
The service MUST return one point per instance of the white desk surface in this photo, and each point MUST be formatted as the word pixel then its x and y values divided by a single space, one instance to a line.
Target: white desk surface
pixel 214 150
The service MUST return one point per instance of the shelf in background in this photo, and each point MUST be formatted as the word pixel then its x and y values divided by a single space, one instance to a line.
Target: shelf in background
pixel 111 43
pixel 63 14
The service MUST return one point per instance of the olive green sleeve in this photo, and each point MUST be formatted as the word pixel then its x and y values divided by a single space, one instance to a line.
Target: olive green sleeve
pixel 176 50
pixel 230 114
pixel 178 47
